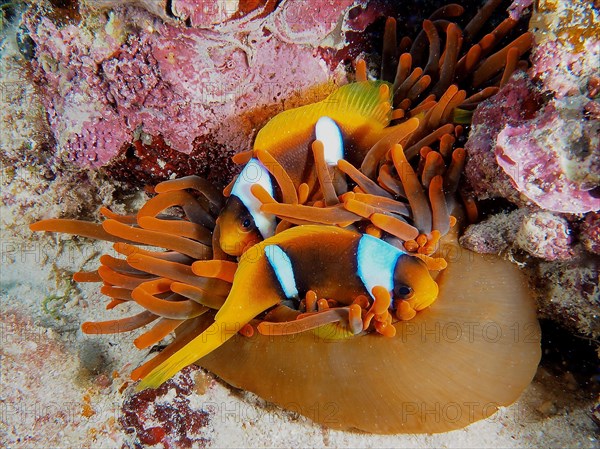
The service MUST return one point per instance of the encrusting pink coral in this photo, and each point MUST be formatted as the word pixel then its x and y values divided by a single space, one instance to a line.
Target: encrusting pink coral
pixel 536 156
pixel 130 76
pixel 526 152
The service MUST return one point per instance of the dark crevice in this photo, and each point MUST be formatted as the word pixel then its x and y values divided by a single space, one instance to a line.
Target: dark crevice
pixel 169 9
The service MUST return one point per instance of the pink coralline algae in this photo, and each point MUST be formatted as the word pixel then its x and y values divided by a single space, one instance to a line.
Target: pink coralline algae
pixel 515 103
pixel 519 8
pixel 550 156
pixel 129 75
pixel 540 155
pixel 537 142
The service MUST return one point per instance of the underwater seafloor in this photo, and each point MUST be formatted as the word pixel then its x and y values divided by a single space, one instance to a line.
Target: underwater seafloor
pixel 99 98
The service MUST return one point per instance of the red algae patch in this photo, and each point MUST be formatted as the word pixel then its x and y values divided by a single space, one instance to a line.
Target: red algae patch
pixel 167 415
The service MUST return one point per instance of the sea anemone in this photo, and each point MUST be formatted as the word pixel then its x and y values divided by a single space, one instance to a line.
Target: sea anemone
pixel 396 365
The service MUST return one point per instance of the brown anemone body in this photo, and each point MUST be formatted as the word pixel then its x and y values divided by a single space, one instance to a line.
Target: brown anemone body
pixel 474 350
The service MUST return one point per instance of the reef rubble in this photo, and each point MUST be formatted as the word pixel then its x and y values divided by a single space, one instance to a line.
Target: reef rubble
pixel 534 153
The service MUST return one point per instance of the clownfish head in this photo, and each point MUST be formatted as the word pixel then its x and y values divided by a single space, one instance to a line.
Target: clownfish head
pixel 241 222
pixel 413 282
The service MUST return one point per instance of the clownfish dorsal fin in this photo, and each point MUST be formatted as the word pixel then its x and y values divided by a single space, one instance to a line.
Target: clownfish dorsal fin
pixel 364 106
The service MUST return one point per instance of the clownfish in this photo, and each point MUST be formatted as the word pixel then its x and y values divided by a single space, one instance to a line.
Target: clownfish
pixel 242 223
pixel 348 123
pixel 333 262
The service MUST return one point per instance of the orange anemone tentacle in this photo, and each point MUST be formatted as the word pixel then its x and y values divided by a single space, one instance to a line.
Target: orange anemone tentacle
pixel 361 71
pixel 434 47
pixel 434 166
pixel 155 238
pixel 404 67
pixel 87 276
pixel 194 210
pixel 494 63
pixel 120 293
pixel 192 182
pixel 512 58
pixel 76 227
pixel 304 322
pixel 477 22
pixel 303 192
pixel 394 226
pixel 452 176
pixel 388 63
pixel 435 119
pixel 177 272
pixel 145 293
pixel 389 182
pixel 388 204
pixel 323 174
pixel 439 209
pixel 220 269
pixel 408 83
pixel 122 280
pixel 334 215
pixel 395 134
pixel 456 101
pixel 453 43
pixel 118 326
pixel 478 97
pixel 429 139
pixel 181 228
pixel 288 190
pixel 107 213
pixel 366 184
pixel 127 250
pixel 199 295
pixel 261 194
pixel 243 157
pixel 160 330
pixel 119 265
pixel 414 191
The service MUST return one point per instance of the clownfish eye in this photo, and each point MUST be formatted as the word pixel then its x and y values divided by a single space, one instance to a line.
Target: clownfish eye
pixel 403 292
pixel 246 223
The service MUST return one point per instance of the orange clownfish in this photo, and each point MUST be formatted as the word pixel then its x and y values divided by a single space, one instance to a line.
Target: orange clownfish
pixel 348 123
pixel 334 263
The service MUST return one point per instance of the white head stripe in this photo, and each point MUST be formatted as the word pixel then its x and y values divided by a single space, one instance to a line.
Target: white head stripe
pixel 282 266
pixel 327 131
pixel 376 262
pixel 255 173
